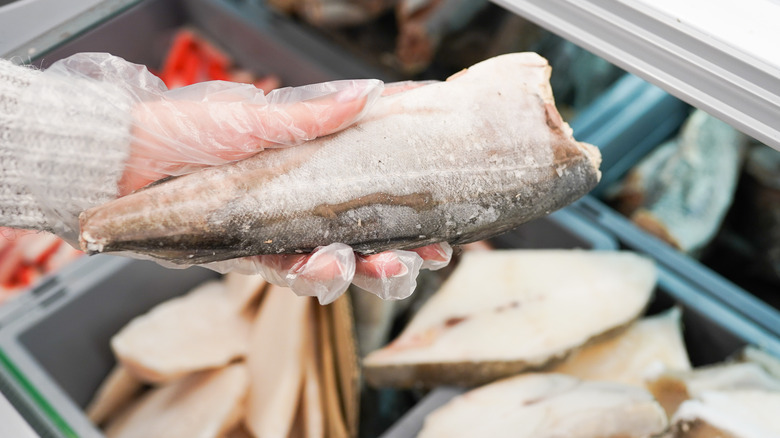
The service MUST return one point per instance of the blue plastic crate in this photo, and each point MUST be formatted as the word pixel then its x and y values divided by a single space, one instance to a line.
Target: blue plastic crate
pixel 626 123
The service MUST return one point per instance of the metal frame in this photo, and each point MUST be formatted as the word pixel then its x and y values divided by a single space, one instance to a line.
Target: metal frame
pixel 29 28
pixel 694 64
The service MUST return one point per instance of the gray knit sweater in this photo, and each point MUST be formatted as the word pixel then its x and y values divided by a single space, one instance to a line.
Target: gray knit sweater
pixel 63 144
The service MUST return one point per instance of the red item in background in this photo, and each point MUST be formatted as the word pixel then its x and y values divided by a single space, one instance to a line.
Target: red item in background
pixel 25 256
pixel 192 59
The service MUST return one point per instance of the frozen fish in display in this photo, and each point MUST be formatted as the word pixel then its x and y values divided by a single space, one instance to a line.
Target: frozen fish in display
pixel 455 161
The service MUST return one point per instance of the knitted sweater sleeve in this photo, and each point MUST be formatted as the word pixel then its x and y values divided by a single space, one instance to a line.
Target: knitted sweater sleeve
pixel 63 144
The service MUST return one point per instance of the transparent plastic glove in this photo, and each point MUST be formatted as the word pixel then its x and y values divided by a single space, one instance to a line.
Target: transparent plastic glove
pixel 328 271
pixel 173 132
pixel 218 122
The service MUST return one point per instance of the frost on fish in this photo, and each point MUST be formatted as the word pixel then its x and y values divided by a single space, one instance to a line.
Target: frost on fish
pixel 455 161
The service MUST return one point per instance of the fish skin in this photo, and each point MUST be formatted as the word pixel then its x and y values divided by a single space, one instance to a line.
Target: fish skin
pixel 456 161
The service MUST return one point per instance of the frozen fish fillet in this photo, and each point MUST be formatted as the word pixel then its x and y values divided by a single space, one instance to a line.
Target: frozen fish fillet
pixel 200 330
pixel 548 406
pixel 454 161
pixel 505 311
pixel 201 405
pixel 630 356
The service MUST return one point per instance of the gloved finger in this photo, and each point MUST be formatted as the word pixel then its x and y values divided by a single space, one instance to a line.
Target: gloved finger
pixel 325 273
pixel 435 256
pixel 390 275
pixel 384 264
pixel 239 114
pixel 328 271
pixel 291 123
pixel 172 137
pixel 388 264
pixel 399 87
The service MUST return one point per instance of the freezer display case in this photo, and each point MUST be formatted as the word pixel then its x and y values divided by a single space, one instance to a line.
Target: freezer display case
pixel 54 344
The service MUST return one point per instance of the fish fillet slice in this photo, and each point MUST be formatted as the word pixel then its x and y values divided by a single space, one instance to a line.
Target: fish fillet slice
pixel 548 406
pixel 202 405
pixel 502 312
pixel 275 361
pixel 729 414
pixel 312 409
pixel 630 356
pixel 115 392
pixel 335 419
pixel 671 388
pixel 200 330
pixel 455 161
pixel 346 360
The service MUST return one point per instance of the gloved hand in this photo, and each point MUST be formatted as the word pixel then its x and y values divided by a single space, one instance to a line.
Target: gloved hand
pixel 179 131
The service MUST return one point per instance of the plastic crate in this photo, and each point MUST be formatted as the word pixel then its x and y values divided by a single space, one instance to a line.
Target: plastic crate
pixel 54 352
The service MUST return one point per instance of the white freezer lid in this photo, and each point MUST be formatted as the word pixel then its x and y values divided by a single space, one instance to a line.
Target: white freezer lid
pixel 722 56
